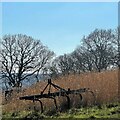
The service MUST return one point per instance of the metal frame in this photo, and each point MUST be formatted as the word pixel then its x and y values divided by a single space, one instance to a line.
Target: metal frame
pixel 60 92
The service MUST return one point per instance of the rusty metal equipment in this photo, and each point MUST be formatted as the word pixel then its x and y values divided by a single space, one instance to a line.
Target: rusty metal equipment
pixel 52 95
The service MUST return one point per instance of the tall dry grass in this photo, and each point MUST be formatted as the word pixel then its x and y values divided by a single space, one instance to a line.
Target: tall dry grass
pixel 104 85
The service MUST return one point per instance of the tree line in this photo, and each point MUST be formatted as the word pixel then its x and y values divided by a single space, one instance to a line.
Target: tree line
pixel 21 54
pixel 98 51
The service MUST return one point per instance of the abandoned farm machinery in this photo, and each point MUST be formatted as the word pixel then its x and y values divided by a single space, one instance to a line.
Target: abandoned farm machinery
pixel 61 92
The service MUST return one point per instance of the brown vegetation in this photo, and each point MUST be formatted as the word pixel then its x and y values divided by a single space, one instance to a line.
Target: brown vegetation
pixel 103 84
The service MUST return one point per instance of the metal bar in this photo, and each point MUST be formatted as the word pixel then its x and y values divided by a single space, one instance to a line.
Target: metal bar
pixel 45 88
pixel 40 104
pixel 56 86
pixel 63 93
pixel 81 99
pixel 54 102
pixel 68 101
pixel 93 96
pixel 49 88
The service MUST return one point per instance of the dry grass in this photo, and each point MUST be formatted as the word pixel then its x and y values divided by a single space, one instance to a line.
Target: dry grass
pixel 104 85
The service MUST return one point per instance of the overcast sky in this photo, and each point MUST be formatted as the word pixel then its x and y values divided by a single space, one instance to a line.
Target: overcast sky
pixel 60 26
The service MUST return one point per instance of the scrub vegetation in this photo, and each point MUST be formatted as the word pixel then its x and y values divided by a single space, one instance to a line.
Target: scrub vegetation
pixel 104 85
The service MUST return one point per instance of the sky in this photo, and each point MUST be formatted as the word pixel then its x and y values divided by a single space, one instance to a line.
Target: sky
pixel 58 25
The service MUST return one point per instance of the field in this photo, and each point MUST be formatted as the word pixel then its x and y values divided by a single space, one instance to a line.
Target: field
pixel 105 111
pixel 104 85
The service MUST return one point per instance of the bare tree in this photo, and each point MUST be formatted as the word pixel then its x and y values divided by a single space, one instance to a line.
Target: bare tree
pixel 96 52
pixel 82 60
pixel 53 70
pixel 64 64
pixel 116 45
pixel 22 56
pixel 99 45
